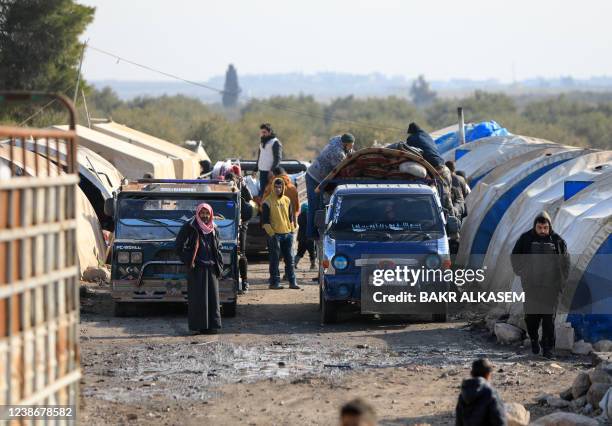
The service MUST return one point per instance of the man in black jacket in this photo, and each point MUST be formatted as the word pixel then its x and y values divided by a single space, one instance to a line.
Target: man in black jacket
pixel 541 260
pixel 479 404
pixel 246 212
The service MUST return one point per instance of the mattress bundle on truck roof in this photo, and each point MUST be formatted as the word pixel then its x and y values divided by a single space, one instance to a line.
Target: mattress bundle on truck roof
pixel 373 165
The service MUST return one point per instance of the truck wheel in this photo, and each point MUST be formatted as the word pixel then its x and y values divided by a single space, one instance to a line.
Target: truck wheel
pixel 228 309
pixel 439 317
pixel 121 309
pixel 329 312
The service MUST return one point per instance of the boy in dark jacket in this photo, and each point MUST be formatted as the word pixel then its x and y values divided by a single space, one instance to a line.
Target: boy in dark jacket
pixel 305 244
pixel 479 404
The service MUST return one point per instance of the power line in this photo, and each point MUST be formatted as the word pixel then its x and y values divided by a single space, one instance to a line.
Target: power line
pixel 326 117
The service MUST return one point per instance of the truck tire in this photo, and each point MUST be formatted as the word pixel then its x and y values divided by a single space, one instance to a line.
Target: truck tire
pixel 439 317
pixel 329 312
pixel 228 309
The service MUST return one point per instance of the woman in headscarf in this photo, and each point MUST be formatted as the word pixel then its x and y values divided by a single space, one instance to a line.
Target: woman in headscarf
pixel 197 245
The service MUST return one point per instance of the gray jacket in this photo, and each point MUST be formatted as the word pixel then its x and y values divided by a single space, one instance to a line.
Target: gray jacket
pixel 330 157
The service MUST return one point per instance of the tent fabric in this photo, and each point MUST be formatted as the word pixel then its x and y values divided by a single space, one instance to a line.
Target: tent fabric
pixel 93 167
pixel 546 193
pixel 488 202
pixel 90 240
pixel 186 163
pixel 91 247
pixel 486 154
pixel 473 132
pixel 131 161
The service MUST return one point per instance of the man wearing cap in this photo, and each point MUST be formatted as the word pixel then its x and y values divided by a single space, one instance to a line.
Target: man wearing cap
pixel 336 150
pixel 269 155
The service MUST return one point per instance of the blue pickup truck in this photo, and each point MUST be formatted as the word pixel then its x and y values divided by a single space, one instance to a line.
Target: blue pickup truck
pixel 378 218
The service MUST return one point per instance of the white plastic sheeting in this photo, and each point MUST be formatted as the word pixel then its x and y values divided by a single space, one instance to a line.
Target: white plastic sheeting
pixel 132 161
pixel 90 240
pixel 483 155
pixel 546 193
pixel 186 163
pixel 92 166
pixel 489 200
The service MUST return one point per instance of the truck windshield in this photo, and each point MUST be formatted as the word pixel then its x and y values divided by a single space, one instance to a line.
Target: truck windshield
pixel 388 214
pixel 161 219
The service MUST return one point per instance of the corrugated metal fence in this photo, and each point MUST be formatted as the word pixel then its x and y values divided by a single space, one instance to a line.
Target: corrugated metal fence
pixel 39 288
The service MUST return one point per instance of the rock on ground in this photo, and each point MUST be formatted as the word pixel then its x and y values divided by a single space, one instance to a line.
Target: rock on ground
pixel 578 403
pixel 96 274
pixel 599 375
pixel 601 357
pixel 603 346
pixel 565 419
pixel 582 348
pixel 507 333
pixel 556 402
pixel 596 393
pixel 516 414
pixel 581 385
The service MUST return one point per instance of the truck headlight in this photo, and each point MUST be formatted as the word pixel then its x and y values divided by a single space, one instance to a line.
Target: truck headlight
pixel 136 257
pixel 340 262
pixel 433 261
pixel 123 257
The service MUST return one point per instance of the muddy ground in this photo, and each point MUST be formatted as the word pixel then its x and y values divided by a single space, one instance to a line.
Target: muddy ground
pixel 275 364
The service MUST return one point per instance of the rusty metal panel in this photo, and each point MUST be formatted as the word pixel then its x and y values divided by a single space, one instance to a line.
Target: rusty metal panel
pixel 39 287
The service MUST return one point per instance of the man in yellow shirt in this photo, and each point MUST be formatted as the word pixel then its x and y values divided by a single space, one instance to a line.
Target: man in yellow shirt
pixel 279 223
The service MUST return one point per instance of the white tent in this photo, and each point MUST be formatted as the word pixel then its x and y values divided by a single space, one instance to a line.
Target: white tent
pixel 479 157
pixel 132 161
pixel 546 193
pixel 186 163
pixel 490 199
pixel 90 240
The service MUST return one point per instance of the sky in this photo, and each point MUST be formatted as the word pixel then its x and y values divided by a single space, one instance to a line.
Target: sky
pixel 471 39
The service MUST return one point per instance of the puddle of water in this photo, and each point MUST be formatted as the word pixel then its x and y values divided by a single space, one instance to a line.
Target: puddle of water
pixel 193 371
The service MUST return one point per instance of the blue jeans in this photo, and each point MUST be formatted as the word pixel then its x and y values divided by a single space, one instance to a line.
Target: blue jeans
pixel 263 181
pixel 281 245
pixel 315 202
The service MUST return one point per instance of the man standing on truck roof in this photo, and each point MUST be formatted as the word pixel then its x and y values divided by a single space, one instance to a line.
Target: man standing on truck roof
pixel 336 150
pixel 269 155
pixel 541 260
pixel 279 223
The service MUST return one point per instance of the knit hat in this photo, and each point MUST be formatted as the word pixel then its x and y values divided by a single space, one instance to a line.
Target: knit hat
pixel 347 138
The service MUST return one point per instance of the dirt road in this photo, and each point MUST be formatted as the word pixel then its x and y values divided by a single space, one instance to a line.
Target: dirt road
pixel 274 364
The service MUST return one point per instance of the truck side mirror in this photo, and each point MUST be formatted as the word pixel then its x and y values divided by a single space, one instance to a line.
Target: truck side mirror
pixel 320 219
pixel 452 225
pixel 109 207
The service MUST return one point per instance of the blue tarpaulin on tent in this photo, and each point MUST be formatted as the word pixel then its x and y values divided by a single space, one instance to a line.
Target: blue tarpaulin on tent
pixel 591 312
pixel 472 132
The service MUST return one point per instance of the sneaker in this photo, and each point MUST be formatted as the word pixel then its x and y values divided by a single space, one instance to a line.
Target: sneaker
pixel 547 353
pixel 295 287
pixel 245 286
pixel 276 287
pixel 210 331
pixel 535 347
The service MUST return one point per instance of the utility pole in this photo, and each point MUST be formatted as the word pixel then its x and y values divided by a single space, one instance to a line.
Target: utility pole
pixel 78 82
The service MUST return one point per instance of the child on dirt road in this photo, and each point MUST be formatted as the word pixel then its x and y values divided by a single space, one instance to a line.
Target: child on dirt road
pixel 479 403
